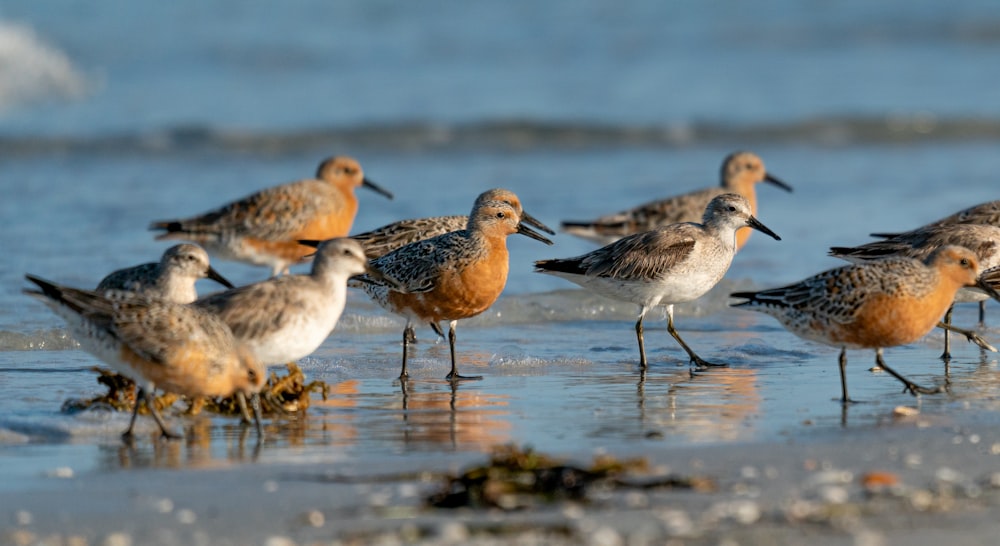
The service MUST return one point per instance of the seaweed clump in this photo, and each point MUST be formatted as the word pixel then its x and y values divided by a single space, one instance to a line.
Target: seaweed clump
pixel 516 478
pixel 282 395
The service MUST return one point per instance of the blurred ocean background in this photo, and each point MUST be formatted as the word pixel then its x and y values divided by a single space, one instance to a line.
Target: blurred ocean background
pixel 881 115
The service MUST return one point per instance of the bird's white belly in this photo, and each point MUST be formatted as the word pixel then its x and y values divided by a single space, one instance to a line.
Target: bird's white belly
pixel 673 289
pixel 297 339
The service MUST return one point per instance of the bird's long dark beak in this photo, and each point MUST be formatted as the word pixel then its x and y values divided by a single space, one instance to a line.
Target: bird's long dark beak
pixel 257 414
pixel 525 230
pixel 215 276
pixel 755 223
pixel 777 182
pixel 376 188
pixel 532 221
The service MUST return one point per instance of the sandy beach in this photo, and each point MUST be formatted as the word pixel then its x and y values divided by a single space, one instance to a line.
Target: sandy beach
pixel 911 481
pixel 880 116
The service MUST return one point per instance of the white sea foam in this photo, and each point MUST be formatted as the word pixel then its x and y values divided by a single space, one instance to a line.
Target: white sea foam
pixel 32 70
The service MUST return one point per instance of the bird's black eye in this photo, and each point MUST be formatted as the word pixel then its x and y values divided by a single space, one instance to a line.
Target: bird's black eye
pixel 964 262
pixel 732 208
pixel 501 215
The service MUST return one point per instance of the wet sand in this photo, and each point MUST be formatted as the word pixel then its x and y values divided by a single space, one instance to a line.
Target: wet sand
pixel 912 480
pixel 787 464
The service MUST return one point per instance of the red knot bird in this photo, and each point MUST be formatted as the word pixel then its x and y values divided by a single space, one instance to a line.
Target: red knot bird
pixel 264 228
pixel 385 239
pixel 450 277
pixel 982 239
pixel 878 304
pixel 741 171
pixel 159 344
pixel 671 264
pixel 984 213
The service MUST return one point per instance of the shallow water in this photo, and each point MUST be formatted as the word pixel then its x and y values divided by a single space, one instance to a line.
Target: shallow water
pixel 879 123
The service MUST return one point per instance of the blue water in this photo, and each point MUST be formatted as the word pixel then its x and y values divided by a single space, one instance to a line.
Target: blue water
pixel 882 116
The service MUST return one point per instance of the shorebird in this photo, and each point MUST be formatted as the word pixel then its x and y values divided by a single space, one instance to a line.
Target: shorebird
pixel 982 239
pixel 175 347
pixel 264 227
pixel 984 213
pixel 671 264
pixel 991 277
pixel 385 239
pixel 286 318
pixel 450 277
pixel 171 279
pixel 741 171
pixel 878 304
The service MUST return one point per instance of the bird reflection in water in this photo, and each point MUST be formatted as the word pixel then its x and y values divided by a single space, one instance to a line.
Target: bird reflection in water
pixel 719 405
pixel 203 446
pixel 454 415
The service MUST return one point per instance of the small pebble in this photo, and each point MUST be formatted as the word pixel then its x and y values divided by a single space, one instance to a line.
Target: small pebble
pixel 23 517
pixel 834 494
pixel 575 511
pixel 635 499
pixel 118 539
pixel 453 532
pixel 164 506
pixel 187 517
pixel 948 475
pixel 605 536
pixel 315 518
pixel 64 472
pixel 921 499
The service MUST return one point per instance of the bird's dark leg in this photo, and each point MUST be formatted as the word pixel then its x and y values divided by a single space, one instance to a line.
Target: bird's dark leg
pixel 453 375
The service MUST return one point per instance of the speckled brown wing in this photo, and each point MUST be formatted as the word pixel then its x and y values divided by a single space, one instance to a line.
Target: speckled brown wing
pixel 257 309
pixel 629 258
pixel 166 333
pixel 275 213
pixel 284 211
pixel 983 240
pixel 132 279
pixel 688 207
pixel 390 237
pixel 417 267
pixel 983 213
pixel 838 294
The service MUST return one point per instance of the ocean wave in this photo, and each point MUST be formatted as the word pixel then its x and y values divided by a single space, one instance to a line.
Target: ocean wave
pixel 32 71
pixel 56 339
pixel 515 135
pixel 364 317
